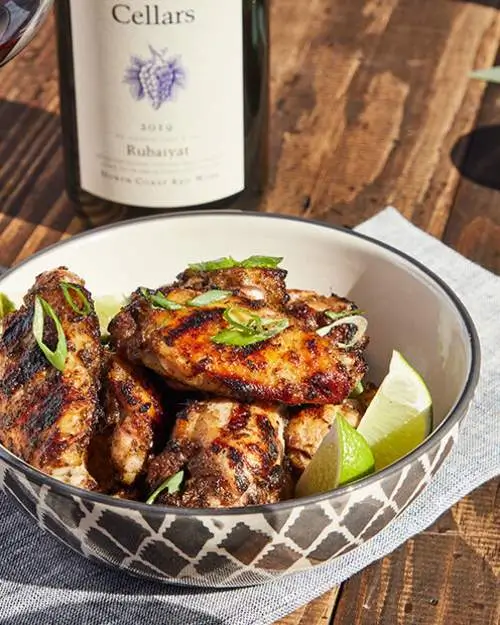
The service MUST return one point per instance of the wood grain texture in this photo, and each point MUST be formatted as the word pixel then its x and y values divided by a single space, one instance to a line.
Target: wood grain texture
pixel 449 574
pixel 369 99
pixel 371 104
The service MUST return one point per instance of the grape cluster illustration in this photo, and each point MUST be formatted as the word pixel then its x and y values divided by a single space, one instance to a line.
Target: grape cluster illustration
pixel 157 78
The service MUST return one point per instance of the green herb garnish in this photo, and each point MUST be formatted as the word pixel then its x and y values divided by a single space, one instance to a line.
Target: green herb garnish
pixel 172 485
pixel 6 305
pixel 160 301
pixel 210 297
pixel 213 265
pixel 341 314
pixel 357 390
pixel 336 316
pixel 57 358
pixel 228 262
pixel 268 262
pixel 85 308
pixel 247 328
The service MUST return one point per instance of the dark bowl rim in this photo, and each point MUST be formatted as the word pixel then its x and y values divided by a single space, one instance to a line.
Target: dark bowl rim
pixel 448 423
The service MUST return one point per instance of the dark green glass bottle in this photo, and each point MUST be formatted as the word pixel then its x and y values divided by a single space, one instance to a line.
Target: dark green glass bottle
pixel 164 105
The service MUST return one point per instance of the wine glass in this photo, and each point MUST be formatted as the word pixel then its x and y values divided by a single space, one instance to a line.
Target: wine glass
pixel 19 22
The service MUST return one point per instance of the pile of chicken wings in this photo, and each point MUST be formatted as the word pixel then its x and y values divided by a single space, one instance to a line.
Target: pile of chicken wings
pixel 225 380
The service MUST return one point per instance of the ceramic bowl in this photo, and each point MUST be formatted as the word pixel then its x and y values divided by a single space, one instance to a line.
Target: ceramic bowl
pixel 408 308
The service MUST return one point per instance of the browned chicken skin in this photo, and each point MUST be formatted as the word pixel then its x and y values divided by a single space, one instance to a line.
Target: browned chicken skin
pixel 133 405
pixel 46 416
pixel 294 367
pixel 233 454
pixel 257 283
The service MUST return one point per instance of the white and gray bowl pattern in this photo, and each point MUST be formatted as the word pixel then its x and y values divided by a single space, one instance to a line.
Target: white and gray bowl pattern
pixel 223 550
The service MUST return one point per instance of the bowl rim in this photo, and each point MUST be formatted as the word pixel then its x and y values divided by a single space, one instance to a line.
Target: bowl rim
pixel 448 423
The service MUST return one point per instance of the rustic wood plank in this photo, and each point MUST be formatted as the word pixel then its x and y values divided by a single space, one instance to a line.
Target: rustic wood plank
pixel 474 229
pixel 448 574
pixel 371 104
pixel 35 211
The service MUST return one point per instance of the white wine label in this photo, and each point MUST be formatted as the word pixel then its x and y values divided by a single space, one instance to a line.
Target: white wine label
pixel 159 100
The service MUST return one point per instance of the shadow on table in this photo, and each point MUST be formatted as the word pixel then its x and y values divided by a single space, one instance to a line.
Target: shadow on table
pixel 32 179
pixel 111 611
pixel 477 156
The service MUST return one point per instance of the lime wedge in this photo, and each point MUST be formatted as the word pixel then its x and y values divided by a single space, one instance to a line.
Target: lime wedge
pixel 342 457
pixel 399 416
pixel 107 307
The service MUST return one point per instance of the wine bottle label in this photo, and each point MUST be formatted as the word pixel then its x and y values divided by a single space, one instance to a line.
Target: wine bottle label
pixel 159 100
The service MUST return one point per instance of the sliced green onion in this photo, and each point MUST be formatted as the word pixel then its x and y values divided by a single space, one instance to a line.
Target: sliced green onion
pixel 210 297
pixel 240 338
pixel 159 300
pixel 213 265
pixel 67 289
pixel 246 328
pixel 357 390
pixel 243 319
pixel 57 358
pixel 172 485
pixel 331 314
pixel 6 305
pixel 228 262
pixel 357 320
pixel 268 262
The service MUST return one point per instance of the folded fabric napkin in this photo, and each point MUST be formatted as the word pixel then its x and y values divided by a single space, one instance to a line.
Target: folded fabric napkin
pixel 43 582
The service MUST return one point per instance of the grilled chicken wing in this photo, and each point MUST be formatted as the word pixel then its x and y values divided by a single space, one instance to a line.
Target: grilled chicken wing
pixel 46 416
pixel 233 454
pixel 257 283
pixel 133 406
pixel 294 367
pixel 307 428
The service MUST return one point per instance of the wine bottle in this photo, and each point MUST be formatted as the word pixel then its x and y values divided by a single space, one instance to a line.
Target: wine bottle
pixel 164 105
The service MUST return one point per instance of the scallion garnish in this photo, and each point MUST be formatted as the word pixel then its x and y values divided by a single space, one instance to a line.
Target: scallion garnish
pixel 247 328
pixel 68 288
pixel 351 319
pixel 228 262
pixel 331 314
pixel 268 262
pixel 6 305
pixel 172 485
pixel 213 265
pixel 210 297
pixel 57 358
pixel 357 390
pixel 159 300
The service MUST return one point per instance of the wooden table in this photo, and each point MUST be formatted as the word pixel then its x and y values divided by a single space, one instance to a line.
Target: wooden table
pixel 371 104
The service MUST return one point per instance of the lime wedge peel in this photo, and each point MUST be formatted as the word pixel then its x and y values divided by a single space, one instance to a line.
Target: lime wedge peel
pixel 342 457
pixel 107 307
pixel 399 418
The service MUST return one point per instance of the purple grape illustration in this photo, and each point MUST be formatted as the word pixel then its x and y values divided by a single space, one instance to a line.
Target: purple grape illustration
pixel 157 78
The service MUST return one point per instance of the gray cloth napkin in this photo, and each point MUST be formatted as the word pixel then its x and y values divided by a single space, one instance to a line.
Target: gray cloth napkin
pixel 43 582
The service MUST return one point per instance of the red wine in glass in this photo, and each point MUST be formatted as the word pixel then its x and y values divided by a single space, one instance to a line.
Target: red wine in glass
pixel 19 21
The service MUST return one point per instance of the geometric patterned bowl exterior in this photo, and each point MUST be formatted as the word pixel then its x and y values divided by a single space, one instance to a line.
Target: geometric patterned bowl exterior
pixel 223 550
